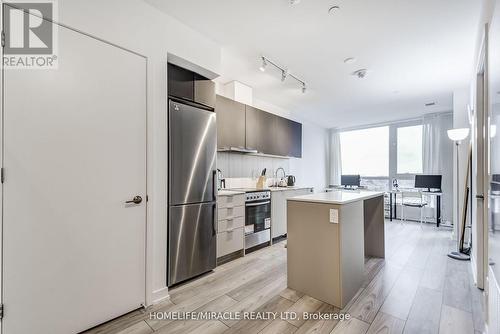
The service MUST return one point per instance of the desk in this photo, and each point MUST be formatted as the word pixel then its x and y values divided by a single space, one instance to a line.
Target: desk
pixel 393 203
pixel 329 235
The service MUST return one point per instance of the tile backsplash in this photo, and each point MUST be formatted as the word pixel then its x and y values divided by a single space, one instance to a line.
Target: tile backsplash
pixel 236 165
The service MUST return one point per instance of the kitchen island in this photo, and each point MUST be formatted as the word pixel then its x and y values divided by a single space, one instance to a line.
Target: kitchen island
pixel 329 235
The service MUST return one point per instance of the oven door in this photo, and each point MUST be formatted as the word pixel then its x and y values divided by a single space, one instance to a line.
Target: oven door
pixel 257 214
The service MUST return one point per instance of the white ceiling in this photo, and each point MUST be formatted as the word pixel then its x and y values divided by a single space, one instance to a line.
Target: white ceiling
pixel 416 51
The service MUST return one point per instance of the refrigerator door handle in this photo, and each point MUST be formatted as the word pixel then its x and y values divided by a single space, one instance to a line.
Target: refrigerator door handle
pixel 214 184
pixel 214 221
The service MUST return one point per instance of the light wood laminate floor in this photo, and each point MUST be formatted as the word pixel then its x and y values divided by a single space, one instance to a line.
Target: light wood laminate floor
pixel 416 289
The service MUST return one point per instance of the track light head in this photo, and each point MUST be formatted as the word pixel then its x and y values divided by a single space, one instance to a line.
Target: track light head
pixel 284 74
pixel 264 64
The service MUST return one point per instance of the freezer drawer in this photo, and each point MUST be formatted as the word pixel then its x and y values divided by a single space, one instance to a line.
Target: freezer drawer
pixel 191 241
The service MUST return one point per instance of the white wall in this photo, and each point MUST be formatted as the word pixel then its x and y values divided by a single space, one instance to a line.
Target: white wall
pixel 311 169
pixel 135 25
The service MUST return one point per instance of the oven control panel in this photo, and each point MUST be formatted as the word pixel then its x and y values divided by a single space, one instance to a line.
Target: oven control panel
pixel 258 196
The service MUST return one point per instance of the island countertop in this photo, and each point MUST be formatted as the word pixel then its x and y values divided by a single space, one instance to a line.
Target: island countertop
pixel 338 196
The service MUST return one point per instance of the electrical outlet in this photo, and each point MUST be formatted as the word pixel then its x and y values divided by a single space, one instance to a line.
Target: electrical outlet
pixel 334 216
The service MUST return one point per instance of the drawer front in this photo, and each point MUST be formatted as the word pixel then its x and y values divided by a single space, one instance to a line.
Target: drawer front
pixel 231 213
pixel 230 224
pixel 230 201
pixel 230 241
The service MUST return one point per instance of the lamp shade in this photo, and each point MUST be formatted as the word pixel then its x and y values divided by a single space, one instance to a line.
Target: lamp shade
pixel 458 134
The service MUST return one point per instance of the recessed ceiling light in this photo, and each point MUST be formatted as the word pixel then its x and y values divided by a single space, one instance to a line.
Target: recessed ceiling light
pixel 349 60
pixel 430 104
pixel 333 9
pixel 360 73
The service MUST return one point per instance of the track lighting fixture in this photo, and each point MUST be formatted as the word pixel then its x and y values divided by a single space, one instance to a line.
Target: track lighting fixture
pixel 284 72
pixel 264 64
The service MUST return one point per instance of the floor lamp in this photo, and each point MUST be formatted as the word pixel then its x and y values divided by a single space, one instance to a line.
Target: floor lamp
pixel 457 135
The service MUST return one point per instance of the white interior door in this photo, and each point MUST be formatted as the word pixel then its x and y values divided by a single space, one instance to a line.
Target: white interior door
pixel 74 152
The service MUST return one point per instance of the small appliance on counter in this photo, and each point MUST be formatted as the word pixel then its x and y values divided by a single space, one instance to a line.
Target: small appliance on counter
pixel 290 180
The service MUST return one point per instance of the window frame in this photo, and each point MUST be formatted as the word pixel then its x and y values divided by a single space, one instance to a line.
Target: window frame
pixel 393 153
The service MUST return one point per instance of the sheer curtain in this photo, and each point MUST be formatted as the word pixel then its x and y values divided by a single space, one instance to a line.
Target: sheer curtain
pixel 437 155
pixel 335 157
pixel 435 140
pixel 431 145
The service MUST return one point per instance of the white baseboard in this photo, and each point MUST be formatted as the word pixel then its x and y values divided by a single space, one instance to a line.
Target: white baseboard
pixel 160 295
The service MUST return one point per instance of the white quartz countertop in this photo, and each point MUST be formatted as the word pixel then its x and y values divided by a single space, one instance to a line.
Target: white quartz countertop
pixel 229 192
pixel 288 188
pixel 338 196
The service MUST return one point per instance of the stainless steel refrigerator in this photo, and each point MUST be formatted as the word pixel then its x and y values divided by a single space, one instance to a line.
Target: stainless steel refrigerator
pixel 192 211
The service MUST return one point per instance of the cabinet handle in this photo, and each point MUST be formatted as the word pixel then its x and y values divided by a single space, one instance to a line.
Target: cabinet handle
pixel 214 221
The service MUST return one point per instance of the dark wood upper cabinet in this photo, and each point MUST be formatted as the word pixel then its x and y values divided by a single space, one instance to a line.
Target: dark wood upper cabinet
pixel 282 136
pixel 260 131
pixel 287 137
pixel 204 90
pixel 190 86
pixel 295 130
pixel 230 123
pixel 180 82
pixel 242 127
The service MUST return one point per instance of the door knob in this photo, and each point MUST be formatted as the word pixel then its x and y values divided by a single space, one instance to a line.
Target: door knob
pixel 135 200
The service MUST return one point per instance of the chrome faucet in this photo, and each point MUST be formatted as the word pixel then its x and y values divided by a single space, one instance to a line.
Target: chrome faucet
pixel 276 182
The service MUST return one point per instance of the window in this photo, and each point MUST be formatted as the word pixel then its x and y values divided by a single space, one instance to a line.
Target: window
pixel 365 152
pixel 409 158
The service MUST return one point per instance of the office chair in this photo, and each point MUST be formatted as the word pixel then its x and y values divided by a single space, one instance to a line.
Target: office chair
pixel 412 199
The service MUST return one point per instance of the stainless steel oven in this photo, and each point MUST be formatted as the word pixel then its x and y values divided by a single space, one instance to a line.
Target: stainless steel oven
pixel 257 218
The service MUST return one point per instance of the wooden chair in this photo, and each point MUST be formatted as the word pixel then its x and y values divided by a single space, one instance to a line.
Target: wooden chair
pixel 413 199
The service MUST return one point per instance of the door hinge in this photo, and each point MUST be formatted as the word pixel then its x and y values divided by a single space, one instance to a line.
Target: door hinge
pixel 3 39
pixel 147 198
pixel 1 311
pixel 2 175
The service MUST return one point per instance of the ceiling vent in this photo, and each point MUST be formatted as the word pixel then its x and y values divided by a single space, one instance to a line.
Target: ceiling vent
pixel 430 104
